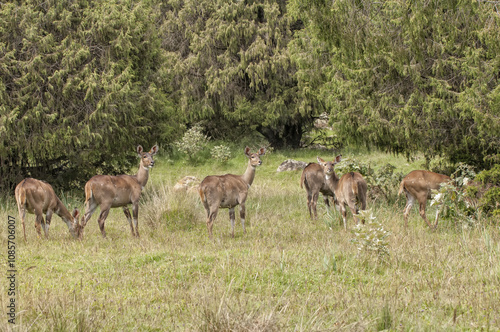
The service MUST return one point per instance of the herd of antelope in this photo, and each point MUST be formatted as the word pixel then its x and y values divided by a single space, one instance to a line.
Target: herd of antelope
pixel 216 191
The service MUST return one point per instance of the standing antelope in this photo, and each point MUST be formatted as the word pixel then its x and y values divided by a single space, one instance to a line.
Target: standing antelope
pixel 109 191
pixel 313 179
pixel 37 197
pixel 227 191
pixel 349 190
pixel 417 186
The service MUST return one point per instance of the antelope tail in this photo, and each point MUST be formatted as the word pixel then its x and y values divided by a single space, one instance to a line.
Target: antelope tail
pixel 302 179
pixel 202 194
pixel 88 192
pixel 21 197
pixel 354 186
pixel 401 188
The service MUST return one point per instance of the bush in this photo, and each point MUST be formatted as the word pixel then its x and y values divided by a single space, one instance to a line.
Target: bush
pixel 490 176
pixel 463 174
pixel 485 191
pixel 490 202
pixel 455 200
pixel 383 183
pixel 386 182
pixel 371 237
pixel 192 142
pixel 69 112
pixel 221 153
pixel 454 205
pixel 352 165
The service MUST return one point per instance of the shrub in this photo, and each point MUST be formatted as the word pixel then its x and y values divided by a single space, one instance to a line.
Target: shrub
pixel 485 191
pixel 463 202
pixel 192 142
pixel 352 165
pixel 463 174
pixel 221 153
pixel 490 176
pixel 386 181
pixel 454 205
pixel 371 237
pixel 490 202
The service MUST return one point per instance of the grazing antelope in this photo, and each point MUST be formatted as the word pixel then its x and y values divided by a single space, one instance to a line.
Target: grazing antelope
pixel 109 191
pixel 349 190
pixel 417 186
pixel 37 197
pixel 314 181
pixel 227 191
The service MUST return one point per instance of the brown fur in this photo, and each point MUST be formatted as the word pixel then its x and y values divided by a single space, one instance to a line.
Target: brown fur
pixel 37 197
pixel 228 191
pixel 417 186
pixel 109 191
pixel 313 179
pixel 349 190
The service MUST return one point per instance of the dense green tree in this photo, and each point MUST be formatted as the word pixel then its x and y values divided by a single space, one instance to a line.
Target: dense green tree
pixel 81 85
pixel 83 82
pixel 231 67
pixel 410 76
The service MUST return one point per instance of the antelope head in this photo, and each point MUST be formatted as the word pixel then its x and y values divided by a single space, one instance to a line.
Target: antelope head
pixel 255 157
pixel 328 166
pixel 147 161
pixel 76 228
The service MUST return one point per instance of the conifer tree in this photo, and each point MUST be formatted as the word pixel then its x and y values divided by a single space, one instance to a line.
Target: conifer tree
pixel 411 76
pixel 80 87
pixel 231 67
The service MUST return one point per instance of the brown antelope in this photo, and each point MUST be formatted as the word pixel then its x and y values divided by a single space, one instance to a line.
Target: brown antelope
pixel 349 190
pixel 314 181
pixel 417 186
pixel 37 197
pixel 109 191
pixel 227 191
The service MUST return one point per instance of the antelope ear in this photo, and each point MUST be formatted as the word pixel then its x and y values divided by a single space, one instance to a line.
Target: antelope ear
pixel 140 150
pixel 338 159
pixel 262 151
pixel 153 150
pixel 247 151
pixel 321 161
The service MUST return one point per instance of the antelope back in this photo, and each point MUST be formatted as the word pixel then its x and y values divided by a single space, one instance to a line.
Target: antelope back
pixel 229 187
pixel 354 184
pixel 422 179
pixel 313 179
pixel 351 185
pixel 35 195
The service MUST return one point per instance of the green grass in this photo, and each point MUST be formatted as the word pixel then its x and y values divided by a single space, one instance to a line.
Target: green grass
pixel 287 273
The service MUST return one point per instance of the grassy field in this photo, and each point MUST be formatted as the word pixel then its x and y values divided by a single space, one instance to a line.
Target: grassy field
pixel 287 273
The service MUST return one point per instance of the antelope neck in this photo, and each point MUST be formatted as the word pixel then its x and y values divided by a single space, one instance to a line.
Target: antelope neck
pixel 332 180
pixel 249 174
pixel 142 175
pixel 63 212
